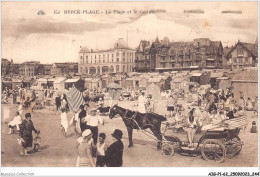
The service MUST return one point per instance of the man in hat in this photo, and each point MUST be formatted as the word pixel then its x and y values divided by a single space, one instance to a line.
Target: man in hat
pixel 114 154
pixel 92 120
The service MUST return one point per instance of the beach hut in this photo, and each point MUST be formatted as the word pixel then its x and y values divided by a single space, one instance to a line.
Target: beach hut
pixel 77 82
pixel 59 84
pixel 200 78
pixel 114 91
pixel 180 83
pixel 159 81
pixel 16 83
pixel 213 79
pixel 223 83
pixel 154 90
pixel 245 82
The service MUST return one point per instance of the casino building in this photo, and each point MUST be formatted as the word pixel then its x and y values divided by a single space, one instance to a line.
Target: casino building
pixel 119 59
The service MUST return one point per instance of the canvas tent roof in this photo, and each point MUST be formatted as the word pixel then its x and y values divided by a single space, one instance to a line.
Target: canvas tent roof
pixel 42 80
pixel 196 74
pixel 59 80
pixel 154 90
pixel 216 75
pixel 223 78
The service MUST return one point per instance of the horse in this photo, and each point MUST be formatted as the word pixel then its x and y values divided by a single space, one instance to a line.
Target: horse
pixel 136 120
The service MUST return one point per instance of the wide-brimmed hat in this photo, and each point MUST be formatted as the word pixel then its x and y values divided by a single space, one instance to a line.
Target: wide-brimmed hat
pixel 117 134
pixel 86 133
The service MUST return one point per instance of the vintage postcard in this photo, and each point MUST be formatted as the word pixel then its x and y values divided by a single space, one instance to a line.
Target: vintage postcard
pixel 130 84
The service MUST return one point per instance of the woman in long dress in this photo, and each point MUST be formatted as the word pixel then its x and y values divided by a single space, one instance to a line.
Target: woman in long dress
pixel 26 129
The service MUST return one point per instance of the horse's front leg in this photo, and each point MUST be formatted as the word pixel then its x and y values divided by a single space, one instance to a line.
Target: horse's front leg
pixel 157 133
pixel 130 134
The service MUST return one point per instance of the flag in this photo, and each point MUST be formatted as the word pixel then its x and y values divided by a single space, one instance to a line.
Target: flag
pixel 75 98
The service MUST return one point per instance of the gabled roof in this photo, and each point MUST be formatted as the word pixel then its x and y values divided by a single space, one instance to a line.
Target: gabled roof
pixel 251 48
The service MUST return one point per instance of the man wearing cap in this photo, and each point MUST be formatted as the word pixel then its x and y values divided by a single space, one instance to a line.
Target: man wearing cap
pixel 114 154
pixel 92 120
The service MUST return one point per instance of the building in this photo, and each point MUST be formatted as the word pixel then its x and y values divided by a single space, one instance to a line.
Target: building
pixel 242 55
pixel 60 69
pixel 119 59
pixel 200 53
pixel 142 57
pixel 47 69
pixel 5 67
pixel 30 69
pixel 245 82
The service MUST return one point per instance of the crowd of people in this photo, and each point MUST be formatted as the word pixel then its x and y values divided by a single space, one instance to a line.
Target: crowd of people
pixel 203 110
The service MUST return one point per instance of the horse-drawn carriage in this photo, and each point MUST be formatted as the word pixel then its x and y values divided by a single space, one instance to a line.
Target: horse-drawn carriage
pixel 215 144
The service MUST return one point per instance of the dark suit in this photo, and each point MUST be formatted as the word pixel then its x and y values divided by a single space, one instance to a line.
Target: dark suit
pixel 83 126
pixel 114 154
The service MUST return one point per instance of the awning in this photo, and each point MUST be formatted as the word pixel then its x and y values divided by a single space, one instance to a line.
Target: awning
pixel 71 80
pixel 196 74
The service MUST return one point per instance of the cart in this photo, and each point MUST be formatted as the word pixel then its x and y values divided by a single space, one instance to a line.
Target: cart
pixel 215 144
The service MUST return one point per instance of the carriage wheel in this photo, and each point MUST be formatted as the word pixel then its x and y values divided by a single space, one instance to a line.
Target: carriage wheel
pixel 233 146
pixel 213 149
pixel 167 149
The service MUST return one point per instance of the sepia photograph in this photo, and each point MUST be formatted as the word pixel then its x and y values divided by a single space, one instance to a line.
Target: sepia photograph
pixel 129 84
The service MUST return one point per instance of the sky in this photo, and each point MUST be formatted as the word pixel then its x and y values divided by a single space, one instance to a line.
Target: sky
pixel 52 37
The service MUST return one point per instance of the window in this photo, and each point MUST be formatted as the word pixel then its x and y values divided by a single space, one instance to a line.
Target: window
pixel 235 60
pixel 99 56
pixel 240 60
pixel 246 60
pixel 103 56
pixel 240 52
pixel 123 53
pixel 117 60
pixel 86 70
pixel 87 57
pixel 123 59
pixel 117 68
pixel 107 56
pixel 80 57
pixel 112 55
pixel 117 54
pixel 95 57
pixel 123 68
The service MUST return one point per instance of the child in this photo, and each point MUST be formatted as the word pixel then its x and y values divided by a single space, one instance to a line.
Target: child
pixel 101 149
pixel 253 128
pixel 64 121
pixel 37 142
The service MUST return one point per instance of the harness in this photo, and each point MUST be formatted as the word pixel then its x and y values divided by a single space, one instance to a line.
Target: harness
pixel 139 128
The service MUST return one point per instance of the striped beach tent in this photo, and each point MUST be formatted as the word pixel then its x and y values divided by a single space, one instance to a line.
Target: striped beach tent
pixel 75 98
